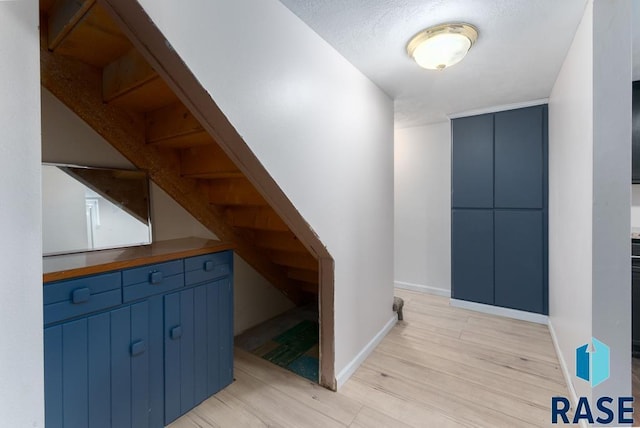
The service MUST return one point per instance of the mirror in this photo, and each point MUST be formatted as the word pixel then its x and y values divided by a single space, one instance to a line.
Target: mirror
pixel 86 209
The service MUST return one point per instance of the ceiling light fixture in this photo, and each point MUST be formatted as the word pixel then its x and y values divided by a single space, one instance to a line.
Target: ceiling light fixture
pixel 442 46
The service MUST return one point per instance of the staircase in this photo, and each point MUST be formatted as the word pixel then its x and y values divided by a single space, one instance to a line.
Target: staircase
pixel 140 97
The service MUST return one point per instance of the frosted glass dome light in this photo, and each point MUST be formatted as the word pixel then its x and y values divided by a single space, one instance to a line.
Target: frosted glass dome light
pixel 442 46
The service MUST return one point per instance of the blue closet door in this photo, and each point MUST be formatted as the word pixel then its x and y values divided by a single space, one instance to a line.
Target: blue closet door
pixel 519 240
pixel 96 371
pixel 472 162
pixel 472 255
pixel 519 158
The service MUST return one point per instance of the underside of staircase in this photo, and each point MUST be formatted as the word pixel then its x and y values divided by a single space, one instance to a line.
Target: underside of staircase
pixel 111 66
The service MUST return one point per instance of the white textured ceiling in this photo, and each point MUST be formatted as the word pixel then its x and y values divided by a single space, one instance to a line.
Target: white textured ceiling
pixel 520 48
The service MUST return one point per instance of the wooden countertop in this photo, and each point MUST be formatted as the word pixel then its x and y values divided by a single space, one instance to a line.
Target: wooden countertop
pixel 67 266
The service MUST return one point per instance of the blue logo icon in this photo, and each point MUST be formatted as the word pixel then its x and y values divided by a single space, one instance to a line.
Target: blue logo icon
pixel 592 364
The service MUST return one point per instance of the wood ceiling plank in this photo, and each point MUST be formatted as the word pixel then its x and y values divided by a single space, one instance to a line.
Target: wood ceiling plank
pixel 152 95
pixel 63 16
pixel 207 162
pixel 79 87
pixel 294 260
pixel 285 241
pixel 95 39
pixel 169 122
pixel 125 74
pixel 234 191
pixel 194 139
pixel 263 218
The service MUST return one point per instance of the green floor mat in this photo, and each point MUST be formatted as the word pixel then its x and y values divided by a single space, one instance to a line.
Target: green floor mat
pixel 293 344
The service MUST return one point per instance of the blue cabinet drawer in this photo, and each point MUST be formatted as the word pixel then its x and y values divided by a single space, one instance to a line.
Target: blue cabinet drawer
pixel 152 273
pixel 207 267
pixel 159 284
pixel 67 299
pixel 152 279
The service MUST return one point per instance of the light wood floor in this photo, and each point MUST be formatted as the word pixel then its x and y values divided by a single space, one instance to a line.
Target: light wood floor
pixel 441 367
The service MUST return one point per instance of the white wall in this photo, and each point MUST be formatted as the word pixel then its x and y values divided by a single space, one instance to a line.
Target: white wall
pixel 21 353
pixel 321 129
pixel 422 168
pixel 67 139
pixel 589 176
pixel 611 185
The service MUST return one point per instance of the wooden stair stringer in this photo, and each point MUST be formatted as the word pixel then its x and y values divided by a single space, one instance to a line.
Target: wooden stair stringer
pixel 78 86
pixel 164 163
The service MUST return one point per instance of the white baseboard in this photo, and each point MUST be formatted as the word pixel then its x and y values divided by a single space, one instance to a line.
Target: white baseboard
pixel 503 312
pixel 422 288
pixel 353 365
pixel 563 366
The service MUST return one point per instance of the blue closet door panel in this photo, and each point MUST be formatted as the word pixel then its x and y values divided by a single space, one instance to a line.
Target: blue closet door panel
pixel 225 319
pixel 172 339
pixel 519 260
pixel 121 367
pixel 156 361
pixel 519 163
pixel 75 374
pixel 53 377
pixel 213 337
pixel 472 162
pixel 472 255
pixel 200 344
pixel 187 374
pixel 139 365
pixel 99 371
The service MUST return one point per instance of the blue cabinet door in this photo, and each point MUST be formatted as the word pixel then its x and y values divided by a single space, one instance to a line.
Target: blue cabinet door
pixel 519 252
pixel 224 318
pixel 472 255
pixel 472 162
pixel 198 345
pixel 520 158
pixel 97 370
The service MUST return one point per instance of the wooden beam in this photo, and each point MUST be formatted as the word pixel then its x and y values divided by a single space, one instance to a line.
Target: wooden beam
pixel 125 74
pixel 207 162
pixel 294 260
pixel 285 241
pixel 79 87
pixel 234 191
pixel 326 290
pixel 262 218
pixel 63 16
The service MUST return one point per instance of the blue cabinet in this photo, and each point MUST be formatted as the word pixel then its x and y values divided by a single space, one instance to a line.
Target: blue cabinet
pixel 472 255
pixel 472 169
pixel 499 209
pixel 142 360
